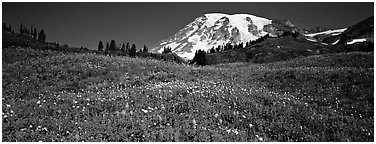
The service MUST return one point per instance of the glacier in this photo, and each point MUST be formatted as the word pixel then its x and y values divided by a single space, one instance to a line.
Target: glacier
pixel 214 29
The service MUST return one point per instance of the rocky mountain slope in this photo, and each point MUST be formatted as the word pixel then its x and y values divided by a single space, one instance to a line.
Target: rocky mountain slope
pixel 285 47
pixel 360 32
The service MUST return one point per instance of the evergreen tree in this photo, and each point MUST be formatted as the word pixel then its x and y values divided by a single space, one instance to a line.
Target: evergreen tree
pixel 10 29
pixel 200 58
pixel 100 46
pixel 5 28
pixel 24 31
pixel 128 48
pixel 167 50
pixel 123 47
pixel 133 51
pixel 35 33
pixel 212 50
pixel 218 48
pixel 227 46
pixel 31 30
pixel 240 45
pixel 21 29
pixel 42 36
pixel 112 45
pixel 107 46
pixel 145 49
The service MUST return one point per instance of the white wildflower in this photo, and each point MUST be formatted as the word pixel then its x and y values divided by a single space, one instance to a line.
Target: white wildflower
pixel 145 111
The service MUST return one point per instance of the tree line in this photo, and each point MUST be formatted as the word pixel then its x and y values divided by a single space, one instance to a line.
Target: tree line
pixel 31 32
pixel 7 28
pixel 230 46
pixel 125 49
pixel 200 55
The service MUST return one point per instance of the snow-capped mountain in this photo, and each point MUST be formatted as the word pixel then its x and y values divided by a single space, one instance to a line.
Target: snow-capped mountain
pixel 211 30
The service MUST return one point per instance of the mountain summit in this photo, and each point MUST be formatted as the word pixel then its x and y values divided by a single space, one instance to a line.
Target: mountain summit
pixel 212 30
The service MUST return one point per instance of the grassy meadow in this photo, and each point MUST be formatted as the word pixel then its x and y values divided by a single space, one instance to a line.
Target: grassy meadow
pixel 54 96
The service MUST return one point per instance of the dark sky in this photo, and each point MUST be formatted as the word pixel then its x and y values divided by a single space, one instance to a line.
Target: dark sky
pixel 85 24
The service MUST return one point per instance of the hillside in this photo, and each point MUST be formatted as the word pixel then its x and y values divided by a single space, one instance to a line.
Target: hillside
pixel 363 29
pixel 57 96
pixel 270 50
pixel 351 59
pixel 13 39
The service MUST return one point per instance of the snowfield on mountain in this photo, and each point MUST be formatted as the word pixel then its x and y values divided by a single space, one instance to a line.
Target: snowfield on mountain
pixel 328 32
pixel 212 30
pixel 356 40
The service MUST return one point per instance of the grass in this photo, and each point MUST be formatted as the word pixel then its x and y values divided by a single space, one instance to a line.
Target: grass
pixel 351 59
pixel 54 96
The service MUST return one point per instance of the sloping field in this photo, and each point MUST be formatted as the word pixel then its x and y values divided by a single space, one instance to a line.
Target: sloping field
pixel 53 96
